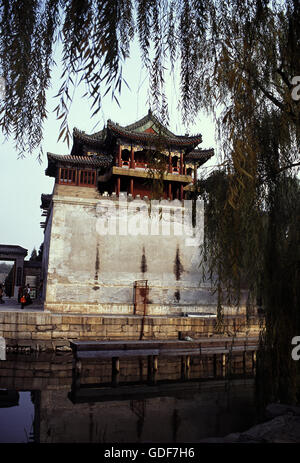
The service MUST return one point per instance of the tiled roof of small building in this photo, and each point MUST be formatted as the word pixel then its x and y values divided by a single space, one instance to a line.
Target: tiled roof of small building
pixel 103 160
pixel 200 155
pixel 12 249
pixel 95 138
pixel 175 140
pixel 93 160
pixel 149 117
pixel 133 132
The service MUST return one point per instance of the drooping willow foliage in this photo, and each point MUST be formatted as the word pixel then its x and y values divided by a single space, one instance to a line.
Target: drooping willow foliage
pixel 254 247
pixel 233 56
pixel 238 61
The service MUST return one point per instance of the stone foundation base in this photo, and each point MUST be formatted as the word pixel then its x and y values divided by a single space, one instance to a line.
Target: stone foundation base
pixel 128 309
pixel 48 331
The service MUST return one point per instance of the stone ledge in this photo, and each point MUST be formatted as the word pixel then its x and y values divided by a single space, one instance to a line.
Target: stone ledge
pixel 90 309
pixel 36 334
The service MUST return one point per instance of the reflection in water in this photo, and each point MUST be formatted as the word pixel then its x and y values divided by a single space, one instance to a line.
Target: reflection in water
pixel 9 398
pixel 61 409
pixel 16 417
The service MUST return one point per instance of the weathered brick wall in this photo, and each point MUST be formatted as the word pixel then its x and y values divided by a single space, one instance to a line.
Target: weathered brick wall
pixel 92 270
pixel 42 331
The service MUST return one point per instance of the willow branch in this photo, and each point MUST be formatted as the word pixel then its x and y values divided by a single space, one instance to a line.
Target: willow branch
pixel 289 166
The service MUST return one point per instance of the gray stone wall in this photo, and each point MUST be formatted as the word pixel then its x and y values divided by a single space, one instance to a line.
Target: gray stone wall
pixel 45 259
pixel 98 246
pixel 34 330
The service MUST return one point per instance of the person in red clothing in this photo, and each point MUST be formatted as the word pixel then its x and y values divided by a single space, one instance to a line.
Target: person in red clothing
pixel 22 297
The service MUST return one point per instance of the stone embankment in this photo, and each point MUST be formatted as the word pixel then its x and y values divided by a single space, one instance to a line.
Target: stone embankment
pixel 47 331
pixel 283 426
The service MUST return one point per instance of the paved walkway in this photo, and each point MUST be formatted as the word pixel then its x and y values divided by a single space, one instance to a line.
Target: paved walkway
pixel 12 305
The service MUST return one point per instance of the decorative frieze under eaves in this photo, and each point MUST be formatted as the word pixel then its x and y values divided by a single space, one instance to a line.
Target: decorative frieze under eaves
pixel 136 147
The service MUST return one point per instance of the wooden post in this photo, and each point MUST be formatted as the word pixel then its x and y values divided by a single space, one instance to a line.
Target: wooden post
pixel 188 364
pixel 223 365
pixel 118 185
pixel 183 367
pixel 78 366
pixel 244 362
pixel 155 368
pixel 120 156
pixel 229 364
pixel 117 364
pixel 253 361
pixel 115 370
pixel 215 365
pixel 149 371
pixel 77 373
pixel 151 368
pixel 132 163
pixel 170 191
pixel 181 192
pixel 131 186
pixel 170 163
pixel 141 365
pixel 181 163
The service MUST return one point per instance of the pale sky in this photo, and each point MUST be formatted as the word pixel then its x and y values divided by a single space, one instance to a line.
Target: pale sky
pixel 22 181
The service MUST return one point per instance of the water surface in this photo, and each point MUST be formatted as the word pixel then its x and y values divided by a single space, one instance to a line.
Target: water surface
pixel 42 400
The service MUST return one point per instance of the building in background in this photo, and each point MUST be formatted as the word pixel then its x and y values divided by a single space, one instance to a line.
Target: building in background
pixel 22 272
pixel 32 277
pixel 110 176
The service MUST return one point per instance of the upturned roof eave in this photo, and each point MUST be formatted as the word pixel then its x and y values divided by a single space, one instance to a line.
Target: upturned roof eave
pixel 142 137
pixel 150 117
pixel 200 156
pixel 89 161
pixel 99 139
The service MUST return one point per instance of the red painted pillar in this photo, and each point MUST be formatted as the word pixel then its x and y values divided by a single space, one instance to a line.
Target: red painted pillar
pixel 181 163
pixel 170 191
pixel 118 185
pixel 181 192
pixel 170 163
pixel 132 163
pixel 131 186
pixel 120 156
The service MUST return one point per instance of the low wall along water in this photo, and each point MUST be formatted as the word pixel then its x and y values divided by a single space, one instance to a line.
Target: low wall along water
pixel 47 331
